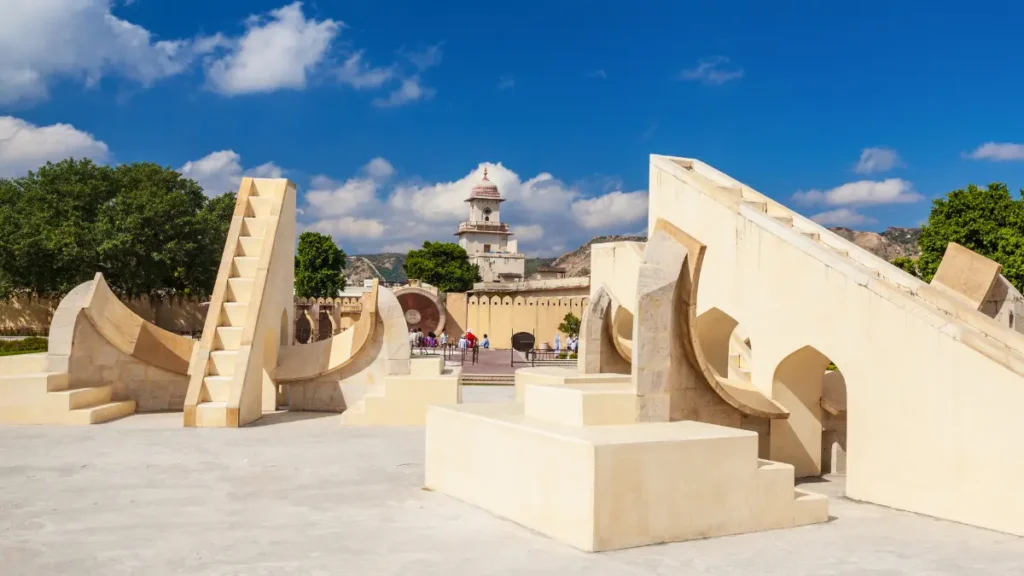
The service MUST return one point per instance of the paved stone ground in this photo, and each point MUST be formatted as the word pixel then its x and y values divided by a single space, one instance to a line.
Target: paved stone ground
pixel 301 495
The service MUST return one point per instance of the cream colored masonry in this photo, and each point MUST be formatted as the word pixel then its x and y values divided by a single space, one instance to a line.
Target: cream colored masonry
pixel 933 386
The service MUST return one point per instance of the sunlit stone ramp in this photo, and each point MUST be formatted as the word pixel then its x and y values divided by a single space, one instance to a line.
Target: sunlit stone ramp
pixel 103 362
pixel 598 464
pixel 933 387
pixel 251 309
pixel 367 372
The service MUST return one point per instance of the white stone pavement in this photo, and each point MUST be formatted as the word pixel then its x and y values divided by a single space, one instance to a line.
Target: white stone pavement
pixel 306 496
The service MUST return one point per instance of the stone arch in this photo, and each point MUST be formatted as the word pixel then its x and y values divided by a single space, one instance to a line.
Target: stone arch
pixel 325 323
pixel 422 309
pixel 303 327
pixel 799 384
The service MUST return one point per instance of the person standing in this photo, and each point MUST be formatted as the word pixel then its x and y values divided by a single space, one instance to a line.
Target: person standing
pixel 470 339
pixel 444 337
pixel 558 342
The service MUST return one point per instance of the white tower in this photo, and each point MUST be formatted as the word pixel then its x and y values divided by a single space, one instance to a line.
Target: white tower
pixel 487 239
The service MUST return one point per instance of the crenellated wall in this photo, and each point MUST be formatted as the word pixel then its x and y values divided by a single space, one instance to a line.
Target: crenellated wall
pixel 501 316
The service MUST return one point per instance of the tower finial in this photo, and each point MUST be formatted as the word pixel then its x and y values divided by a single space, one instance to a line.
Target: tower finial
pixel 485 172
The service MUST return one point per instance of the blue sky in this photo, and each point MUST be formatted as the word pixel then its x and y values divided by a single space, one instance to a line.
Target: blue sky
pixel 384 112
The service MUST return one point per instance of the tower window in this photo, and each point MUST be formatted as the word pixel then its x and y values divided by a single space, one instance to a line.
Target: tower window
pixel 487 214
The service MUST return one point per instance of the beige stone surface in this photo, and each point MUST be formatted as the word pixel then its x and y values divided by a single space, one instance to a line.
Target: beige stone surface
pixel 103 362
pixel 610 487
pixel 932 383
pixel 598 352
pixel 251 310
pixel 555 376
pixel 967 275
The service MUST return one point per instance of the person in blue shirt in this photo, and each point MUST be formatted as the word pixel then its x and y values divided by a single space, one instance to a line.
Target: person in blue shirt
pixel 486 343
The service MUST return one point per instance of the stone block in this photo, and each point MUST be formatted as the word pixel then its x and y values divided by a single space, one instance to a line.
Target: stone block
pixel 609 487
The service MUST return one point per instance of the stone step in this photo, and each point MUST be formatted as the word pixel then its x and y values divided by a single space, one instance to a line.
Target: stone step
pixel 218 388
pixel 488 379
pixel 222 362
pixel 102 413
pixel 39 382
pixel 228 338
pixel 260 207
pixel 234 314
pixel 240 289
pixel 786 220
pixel 249 246
pixel 211 414
pixel 255 227
pixel 22 363
pixel 79 398
pixel 244 266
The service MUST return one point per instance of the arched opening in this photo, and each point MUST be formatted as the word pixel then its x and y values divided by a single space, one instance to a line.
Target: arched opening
pixel 813 390
pixel 303 330
pixel 727 349
pixel 325 327
pixel 487 217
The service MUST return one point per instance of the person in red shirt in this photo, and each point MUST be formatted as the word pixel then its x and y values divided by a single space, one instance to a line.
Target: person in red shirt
pixel 470 339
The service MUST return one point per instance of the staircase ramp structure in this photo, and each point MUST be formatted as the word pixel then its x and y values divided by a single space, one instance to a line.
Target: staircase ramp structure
pixel 103 362
pixel 251 310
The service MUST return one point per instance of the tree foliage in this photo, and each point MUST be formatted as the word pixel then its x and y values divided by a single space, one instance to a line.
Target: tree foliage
pixel 986 220
pixel 570 325
pixel 145 227
pixel 444 265
pixel 319 265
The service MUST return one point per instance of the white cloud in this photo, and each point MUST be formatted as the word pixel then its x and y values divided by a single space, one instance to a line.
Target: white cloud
pixel 842 217
pixel 41 41
pixel 330 198
pixel 712 72
pixel 528 233
pixel 427 58
pixel 379 168
pixel 277 52
pixel 349 227
pixel 411 88
pixel 874 160
pixel 400 247
pixel 411 210
pixel 998 152
pixel 611 208
pixel 599 73
pixel 360 75
pixel 862 193
pixel 25 146
pixel 221 171
pixel 409 91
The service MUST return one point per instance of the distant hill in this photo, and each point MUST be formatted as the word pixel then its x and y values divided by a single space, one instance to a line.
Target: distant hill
pixel 890 244
pixel 384 267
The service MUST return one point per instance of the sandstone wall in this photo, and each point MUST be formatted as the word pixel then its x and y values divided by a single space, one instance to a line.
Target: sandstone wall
pixel 30 315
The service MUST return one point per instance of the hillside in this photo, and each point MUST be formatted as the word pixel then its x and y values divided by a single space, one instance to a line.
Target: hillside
pixel 385 267
pixel 890 244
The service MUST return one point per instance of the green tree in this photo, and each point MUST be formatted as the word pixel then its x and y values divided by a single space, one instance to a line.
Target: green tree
pixel 987 220
pixel 145 227
pixel 444 265
pixel 570 325
pixel 319 265
pixel 907 264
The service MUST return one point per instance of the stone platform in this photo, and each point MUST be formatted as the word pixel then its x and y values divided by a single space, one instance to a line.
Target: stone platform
pixel 610 487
